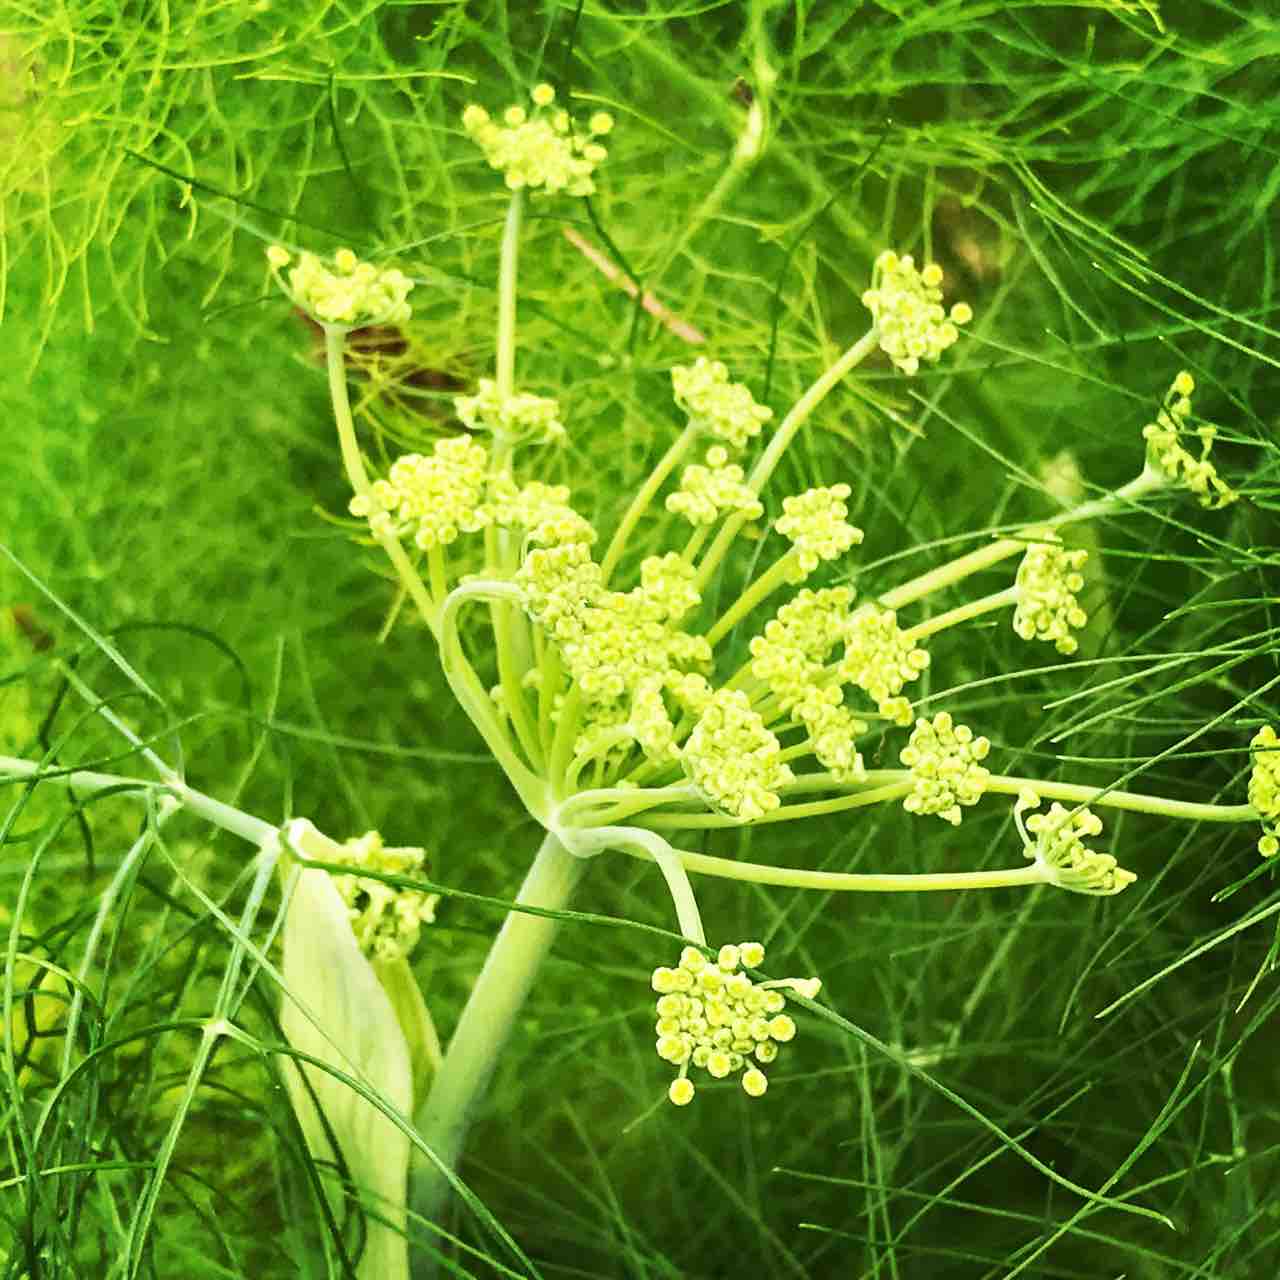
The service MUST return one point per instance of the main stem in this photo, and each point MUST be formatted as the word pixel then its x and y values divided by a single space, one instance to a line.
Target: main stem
pixel 490 1013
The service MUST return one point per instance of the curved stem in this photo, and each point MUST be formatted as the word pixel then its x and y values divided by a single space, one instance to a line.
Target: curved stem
pixel 472 696
pixel 486 1023
pixel 358 477
pixel 843 882
pixel 589 841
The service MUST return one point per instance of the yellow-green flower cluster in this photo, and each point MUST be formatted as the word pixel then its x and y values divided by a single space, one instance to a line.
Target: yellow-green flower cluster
pixel 541 150
pixel 705 492
pixel 1166 456
pixel 880 658
pixel 541 509
pixel 734 758
pixel 907 306
pixel 520 416
pixel 814 522
pixel 386 920
pixel 347 294
pixel 617 646
pixel 724 409
pixel 789 657
pixel 1264 787
pixel 944 759
pixel 1047 582
pixel 432 498
pixel 1055 841
pixel 713 1017
pixel 789 654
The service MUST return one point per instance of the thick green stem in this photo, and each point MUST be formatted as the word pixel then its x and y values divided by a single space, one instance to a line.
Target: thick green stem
pixel 358 477
pixel 486 1023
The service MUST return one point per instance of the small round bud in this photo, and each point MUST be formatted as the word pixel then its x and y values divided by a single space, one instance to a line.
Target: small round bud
pixel 782 1028
pixel 543 95
pixel 728 957
pixel 754 1082
pixel 345 261
pixel 681 1091
pixel 600 123
pixel 932 275
pixel 278 256
pixel 751 954
pixel 1184 384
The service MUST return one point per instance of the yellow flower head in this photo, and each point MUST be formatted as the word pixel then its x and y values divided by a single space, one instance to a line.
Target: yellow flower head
pixel 542 150
pixel 713 1017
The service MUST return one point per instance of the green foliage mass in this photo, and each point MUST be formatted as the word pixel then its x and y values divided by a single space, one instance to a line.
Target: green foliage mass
pixel 1098 180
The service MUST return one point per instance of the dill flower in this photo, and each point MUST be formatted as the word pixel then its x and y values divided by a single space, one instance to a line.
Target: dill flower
pixel 944 759
pixel 540 150
pixel 1047 582
pixel 713 1017
pixel 906 303
pixel 814 522
pixel 1055 841
pixel 386 920
pixel 706 492
pixel 347 293
pixel 734 758
pixel 520 416
pixel 724 409
pixel 1264 787
pixel 1167 457
pixel 430 498
pixel 880 658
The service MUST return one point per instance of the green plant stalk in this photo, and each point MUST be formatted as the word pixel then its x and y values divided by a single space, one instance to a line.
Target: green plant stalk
pixel 358 477
pixel 500 548
pixel 984 557
pixel 796 418
pixel 845 882
pixel 962 613
pixel 777 575
pixel 230 819
pixel 644 496
pixel 485 1025
pixel 1135 802
pixel 473 697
